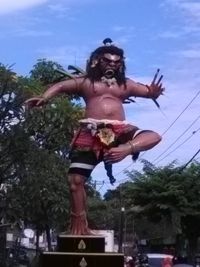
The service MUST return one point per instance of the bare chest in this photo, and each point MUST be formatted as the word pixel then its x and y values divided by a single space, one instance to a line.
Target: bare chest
pixel 100 89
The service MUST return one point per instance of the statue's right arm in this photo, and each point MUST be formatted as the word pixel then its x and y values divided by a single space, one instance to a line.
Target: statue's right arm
pixel 71 86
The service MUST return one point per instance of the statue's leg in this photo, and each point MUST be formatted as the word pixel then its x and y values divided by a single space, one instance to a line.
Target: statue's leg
pixel 139 140
pixel 145 140
pixel 79 224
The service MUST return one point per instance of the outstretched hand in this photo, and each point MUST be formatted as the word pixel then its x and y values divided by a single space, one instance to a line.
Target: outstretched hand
pixel 35 102
pixel 156 88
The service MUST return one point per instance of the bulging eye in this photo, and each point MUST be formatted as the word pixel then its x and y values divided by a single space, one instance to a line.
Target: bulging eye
pixel 106 60
pixel 118 62
pixel 109 61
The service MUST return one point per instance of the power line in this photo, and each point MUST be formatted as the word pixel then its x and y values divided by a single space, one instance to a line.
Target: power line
pixel 177 138
pixel 191 159
pixel 123 169
pixel 103 182
pixel 194 132
pixel 181 113
pixel 177 118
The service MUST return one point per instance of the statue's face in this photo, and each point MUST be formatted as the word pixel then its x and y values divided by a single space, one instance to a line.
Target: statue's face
pixel 110 64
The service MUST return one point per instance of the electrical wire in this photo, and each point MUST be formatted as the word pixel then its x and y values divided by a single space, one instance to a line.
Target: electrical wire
pixel 189 161
pixel 116 174
pixel 181 113
pixel 177 139
pixel 176 119
pixel 193 133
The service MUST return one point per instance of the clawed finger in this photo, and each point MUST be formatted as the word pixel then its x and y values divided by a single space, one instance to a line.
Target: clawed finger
pixel 159 80
pixel 155 76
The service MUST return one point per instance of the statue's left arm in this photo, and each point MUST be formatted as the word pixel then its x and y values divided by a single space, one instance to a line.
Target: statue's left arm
pixel 153 91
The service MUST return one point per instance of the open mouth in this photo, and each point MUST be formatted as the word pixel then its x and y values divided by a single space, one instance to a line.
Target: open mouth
pixel 109 73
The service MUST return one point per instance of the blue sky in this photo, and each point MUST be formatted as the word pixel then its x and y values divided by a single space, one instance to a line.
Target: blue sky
pixel 154 34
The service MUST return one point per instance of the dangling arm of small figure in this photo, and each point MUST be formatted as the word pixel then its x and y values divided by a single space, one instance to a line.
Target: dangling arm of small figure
pixel 153 91
pixel 70 86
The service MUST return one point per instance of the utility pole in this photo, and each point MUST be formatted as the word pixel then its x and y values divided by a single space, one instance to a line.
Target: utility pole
pixel 3 231
pixel 121 229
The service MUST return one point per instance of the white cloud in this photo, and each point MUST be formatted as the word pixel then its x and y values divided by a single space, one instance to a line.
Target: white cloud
pixel 189 57
pixel 191 29
pixel 190 53
pixel 58 8
pixel 65 54
pixel 11 6
pixel 188 13
pixel 15 5
pixel 190 9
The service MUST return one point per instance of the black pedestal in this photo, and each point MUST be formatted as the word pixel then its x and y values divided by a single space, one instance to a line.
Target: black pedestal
pixel 82 243
pixel 64 259
pixel 81 251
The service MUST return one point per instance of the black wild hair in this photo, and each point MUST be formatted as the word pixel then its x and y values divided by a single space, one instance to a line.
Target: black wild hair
pixel 94 73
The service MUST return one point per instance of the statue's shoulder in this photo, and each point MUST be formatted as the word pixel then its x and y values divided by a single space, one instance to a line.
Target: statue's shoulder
pixel 83 83
pixel 129 80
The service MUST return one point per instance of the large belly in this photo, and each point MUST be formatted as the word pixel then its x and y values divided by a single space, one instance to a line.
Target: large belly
pixel 105 108
pixel 109 107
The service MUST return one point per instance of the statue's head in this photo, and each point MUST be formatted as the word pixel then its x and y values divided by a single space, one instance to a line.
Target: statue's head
pixel 106 61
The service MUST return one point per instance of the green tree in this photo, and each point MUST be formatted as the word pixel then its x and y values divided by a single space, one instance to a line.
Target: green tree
pixel 51 130
pixel 10 115
pixel 40 197
pixel 45 71
pixel 12 142
pixel 34 149
pixel 169 193
pixel 53 126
